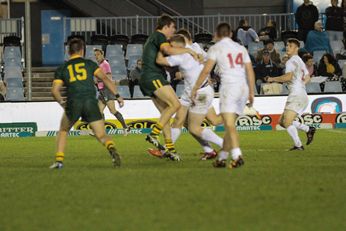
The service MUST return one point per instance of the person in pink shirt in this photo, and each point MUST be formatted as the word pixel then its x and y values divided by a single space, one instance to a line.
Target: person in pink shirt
pixel 106 98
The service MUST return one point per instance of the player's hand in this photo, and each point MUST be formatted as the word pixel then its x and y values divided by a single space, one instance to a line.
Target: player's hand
pixel 251 98
pixel 120 101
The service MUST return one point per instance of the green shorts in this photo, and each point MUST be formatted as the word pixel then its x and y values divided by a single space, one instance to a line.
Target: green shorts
pixel 150 83
pixel 85 108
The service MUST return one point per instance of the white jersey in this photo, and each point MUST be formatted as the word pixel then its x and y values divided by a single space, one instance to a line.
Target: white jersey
pixel 230 58
pixel 188 66
pixel 198 49
pixel 296 65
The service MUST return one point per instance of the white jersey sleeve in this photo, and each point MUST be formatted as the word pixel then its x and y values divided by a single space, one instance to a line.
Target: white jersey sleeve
pixel 175 60
pixel 246 57
pixel 212 54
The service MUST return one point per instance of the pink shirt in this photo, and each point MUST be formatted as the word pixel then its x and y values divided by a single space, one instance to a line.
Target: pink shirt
pixel 106 68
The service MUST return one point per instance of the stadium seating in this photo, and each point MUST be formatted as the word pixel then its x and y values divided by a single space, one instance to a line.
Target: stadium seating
pixel 139 38
pixel 119 39
pixel 137 93
pixel 203 38
pixel 336 46
pixel 12 63
pixel 134 50
pixel 118 67
pixel 318 55
pixel 332 87
pixel 342 62
pixel 133 62
pixel 99 39
pixel 124 92
pixel 14 83
pixel 313 87
pixel 89 51
pixel 279 45
pixel 11 52
pixel 254 47
pixel 114 50
pixel 180 90
pixel 13 72
pixel 14 94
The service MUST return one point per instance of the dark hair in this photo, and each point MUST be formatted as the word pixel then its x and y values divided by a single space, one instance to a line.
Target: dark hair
pixel 295 41
pixel 330 58
pixel 266 42
pixel 75 45
pixel 307 57
pixel 223 30
pixel 164 20
pixel 178 39
pixel 185 33
pixel 242 22
pixel 99 50
pixel 343 3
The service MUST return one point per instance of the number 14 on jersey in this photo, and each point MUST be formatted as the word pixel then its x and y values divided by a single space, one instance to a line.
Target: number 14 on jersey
pixel 238 60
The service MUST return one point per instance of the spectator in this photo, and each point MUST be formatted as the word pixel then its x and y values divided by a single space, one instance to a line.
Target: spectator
pixel 343 6
pixel 245 33
pixel 274 54
pixel 134 76
pixel 266 68
pixel 341 54
pixel 310 65
pixel 282 65
pixel 318 40
pixel 2 90
pixel 306 15
pixel 328 66
pixel 335 21
pixel 268 32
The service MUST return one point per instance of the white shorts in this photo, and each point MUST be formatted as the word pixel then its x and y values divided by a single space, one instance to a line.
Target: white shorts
pixel 233 98
pixel 203 102
pixel 297 103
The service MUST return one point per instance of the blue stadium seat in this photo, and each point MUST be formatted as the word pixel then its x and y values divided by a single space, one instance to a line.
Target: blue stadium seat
pixel 137 93
pixel 180 90
pixel 279 45
pixel 12 63
pixel 114 50
pixel 134 50
pixel 313 87
pixel 13 72
pixel 15 94
pixel 333 87
pixel 14 82
pixel 118 67
pixel 342 63
pixel 317 55
pixel 12 53
pixel 124 91
pixel 336 46
pixel 254 47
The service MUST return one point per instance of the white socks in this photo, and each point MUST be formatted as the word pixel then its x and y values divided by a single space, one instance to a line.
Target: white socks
pixel 293 132
pixel 236 152
pixel 300 126
pixel 175 133
pixel 205 145
pixel 210 136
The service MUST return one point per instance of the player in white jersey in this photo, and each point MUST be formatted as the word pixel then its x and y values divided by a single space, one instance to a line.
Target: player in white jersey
pixel 237 86
pixel 197 110
pixel 296 76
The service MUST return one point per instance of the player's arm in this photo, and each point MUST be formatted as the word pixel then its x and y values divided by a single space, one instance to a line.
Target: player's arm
pixel 281 79
pixel 208 67
pixel 167 49
pixel 161 60
pixel 251 81
pixel 307 79
pixel 57 85
pixel 108 83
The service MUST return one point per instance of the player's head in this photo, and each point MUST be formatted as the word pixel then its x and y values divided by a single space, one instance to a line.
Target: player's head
pixel 334 2
pixel 186 34
pixel 292 46
pixel 76 47
pixel 99 55
pixel 177 41
pixel 166 25
pixel 223 30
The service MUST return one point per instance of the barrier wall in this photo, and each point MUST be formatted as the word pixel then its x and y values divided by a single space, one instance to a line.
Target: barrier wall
pixel 19 119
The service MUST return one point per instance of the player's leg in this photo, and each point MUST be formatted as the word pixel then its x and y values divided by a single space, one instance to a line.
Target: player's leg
pixel 310 131
pixel 286 121
pixel 98 128
pixel 214 118
pixel 102 105
pixel 178 123
pixel 65 126
pixel 112 109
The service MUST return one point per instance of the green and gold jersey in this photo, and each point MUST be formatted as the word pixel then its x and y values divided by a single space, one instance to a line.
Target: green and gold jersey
pixel 152 46
pixel 77 75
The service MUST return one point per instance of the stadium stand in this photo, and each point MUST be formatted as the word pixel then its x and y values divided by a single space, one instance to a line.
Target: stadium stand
pixel 332 87
pixel 313 87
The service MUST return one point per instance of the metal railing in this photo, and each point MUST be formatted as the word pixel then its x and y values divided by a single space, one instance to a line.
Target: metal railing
pixel 146 24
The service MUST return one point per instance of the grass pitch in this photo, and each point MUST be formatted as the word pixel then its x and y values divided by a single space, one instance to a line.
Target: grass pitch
pixel 275 190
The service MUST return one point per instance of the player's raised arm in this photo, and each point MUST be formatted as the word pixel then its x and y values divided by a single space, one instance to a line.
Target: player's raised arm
pixel 251 81
pixel 108 83
pixel 166 49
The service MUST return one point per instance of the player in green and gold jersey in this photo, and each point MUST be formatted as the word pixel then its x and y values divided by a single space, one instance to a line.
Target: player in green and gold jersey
pixel 77 75
pixel 153 82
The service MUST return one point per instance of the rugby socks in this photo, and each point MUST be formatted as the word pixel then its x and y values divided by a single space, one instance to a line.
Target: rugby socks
pixel 109 145
pixel 236 152
pixel 175 133
pixel 59 157
pixel 170 146
pixel 120 117
pixel 223 155
pixel 157 128
pixel 205 145
pixel 300 126
pixel 293 132
pixel 210 136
